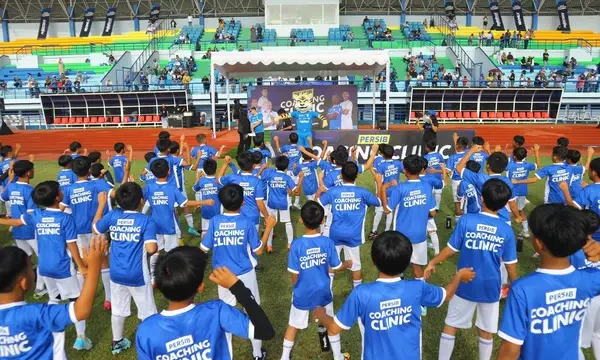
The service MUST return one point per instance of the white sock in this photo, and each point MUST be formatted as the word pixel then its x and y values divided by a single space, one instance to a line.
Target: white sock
pixel 146 207
pixel 389 218
pixel 446 347
pixel 355 283
pixel 596 345
pixel 118 324
pixel 189 219
pixel 331 276
pixel 336 346
pixel 435 240
pixel 377 220
pixel 289 231
pixel 153 259
pixel 485 349
pixel 257 348
pixel 297 201
pixel 80 329
pixel 106 282
pixel 525 226
pixel 287 349
pixel 326 230
pixel 39 282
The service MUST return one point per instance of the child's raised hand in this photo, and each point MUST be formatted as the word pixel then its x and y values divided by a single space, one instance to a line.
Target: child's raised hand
pixel 131 178
pixel 592 250
pixel 182 138
pixel 31 157
pixel 590 151
pixel 498 148
pixel 129 148
pixel 96 254
pixel 466 274
pixel 223 277
pixel 536 147
pixel 228 159
pixel 107 152
pixel 275 138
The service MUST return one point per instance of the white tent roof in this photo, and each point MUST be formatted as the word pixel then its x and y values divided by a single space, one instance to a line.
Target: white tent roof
pixel 305 61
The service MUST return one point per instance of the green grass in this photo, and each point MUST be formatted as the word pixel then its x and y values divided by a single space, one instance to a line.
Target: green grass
pixel 276 289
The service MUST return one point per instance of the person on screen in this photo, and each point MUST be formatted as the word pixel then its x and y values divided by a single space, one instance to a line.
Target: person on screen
pixel 263 98
pixel 269 116
pixel 347 107
pixel 334 114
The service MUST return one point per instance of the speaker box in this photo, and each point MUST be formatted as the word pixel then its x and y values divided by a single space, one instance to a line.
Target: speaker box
pixel 216 97
pixel 381 122
pixel 382 95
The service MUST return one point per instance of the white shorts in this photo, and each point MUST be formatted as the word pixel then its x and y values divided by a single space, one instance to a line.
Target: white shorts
pixel 419 254
pixel 455 184
pixel 167 242
pixel 249 280
pixel 431 225
pixel 521 202
pixel 205 223
pixel 284 215
pixel 378 209
pixel 591 323
pixel 299 318
pixel 310 197
pixel 121 300
pixel 350 253
pixel 29 246
pixel 437 195
pixel 68 288
pixel 460 314
pixel 83 242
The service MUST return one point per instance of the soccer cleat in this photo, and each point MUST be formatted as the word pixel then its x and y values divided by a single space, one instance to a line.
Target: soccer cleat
pixel 296 206
pixel 423 311
pixel 346 356
pixel 269 249
pixel 263 356
pixel 107 305
pixel 373 235
pixel 193 231
pixel 83 344
pixel 525 234
pixel 119 346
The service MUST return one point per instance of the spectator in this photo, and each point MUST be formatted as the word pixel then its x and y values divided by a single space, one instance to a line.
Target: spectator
pixel 431 23
pixel 510 58
pixel 181 38
pixel 253 34
pixel 186 80
pixel 190 19
pixel 259 33
pixel 470 40
pixel 173 24
pixel 502 59
pixel 232 22
pixel 425 23
pixel 511 78
pixel 545 57
pixel 489 38
pixel 465 81
pixel 485 22
pixel 206 84
pixel 349 36
pixel 526 41
pixel 17 83
pixel 365 20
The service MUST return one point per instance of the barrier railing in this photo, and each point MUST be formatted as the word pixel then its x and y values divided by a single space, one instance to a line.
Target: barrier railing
pixel 396 43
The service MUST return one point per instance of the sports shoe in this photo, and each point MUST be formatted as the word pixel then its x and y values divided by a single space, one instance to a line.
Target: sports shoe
pixel 373 235
pixel 423 311
pixel 119 346
pixel 263 356
pixel 430 246
pixel 83 344
pixel 107 305
pixel 269 249
pixel 525 234
pixel 296 206
pixel 346 356
pixel 40 294
pixel 193 231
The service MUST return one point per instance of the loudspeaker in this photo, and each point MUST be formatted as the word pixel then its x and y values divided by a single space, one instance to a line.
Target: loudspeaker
pixel 216 97
pixel 382 95
pixel 381 122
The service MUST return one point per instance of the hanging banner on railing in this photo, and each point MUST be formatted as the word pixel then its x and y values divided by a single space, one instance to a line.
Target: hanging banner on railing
pixel 86 26
pixel 497 23
pixel 450 10
pixel 109 22
pixel 44 23
pixel 518 15
pixel 563 15
pixel 154 13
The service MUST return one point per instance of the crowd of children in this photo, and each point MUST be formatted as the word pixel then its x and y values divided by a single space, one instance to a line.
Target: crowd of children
pixel 90 226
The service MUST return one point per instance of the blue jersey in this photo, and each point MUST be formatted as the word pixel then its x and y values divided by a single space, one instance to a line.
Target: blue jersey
pixel 253 191
pixel 480 157
pixel 54 229
pixel 278 186
pixel 203 152
pixel 472 200
pixel 520 171
pixel 304 120
pixel 390 310
pixel 349 205
pixel 148 177
pixel 194 332
pixel 310 183
pixel 208 189
pixel 451 163
pixel 104 186
pixel 325 166
pixel 554 174
pixel 26 329
pixel 310 257
pixel 130 231
pixel 478 179
pixel 65 178
pixel 579 261
pixel 334 176
pixel 575 186
pixel 256 118
pixel 266 155
pixel 484 241
pixel 75 156
pixel 4 166
pixel 410 203
pixel 18 196
pixel 390 170
pixel 544 312
pixel 164 198
pixel 589 198
pixel 174 164
pixel 118 163
pixel 82 199
pixel 434 182
pixel 293 154
pixel 232 237
pixel 335 122
pixel 434 161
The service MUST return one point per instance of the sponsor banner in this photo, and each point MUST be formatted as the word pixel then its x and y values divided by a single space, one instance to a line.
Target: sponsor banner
pixel 450 9
pixel 44 23
pixel 86 26
pixel 154 13
pixel 336 103
pixel 405 142
pixel 518 15
pixel 563 15
pixel 109 22
pixel 497 23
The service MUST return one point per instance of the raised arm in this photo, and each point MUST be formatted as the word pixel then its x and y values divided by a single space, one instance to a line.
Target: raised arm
pixel 276 141
pixel 463 162
pixel 369 164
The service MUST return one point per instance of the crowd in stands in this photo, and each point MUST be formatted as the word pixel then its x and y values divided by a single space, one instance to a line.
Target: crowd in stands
pixel 377 30
pixel 256 33
pixel 226 32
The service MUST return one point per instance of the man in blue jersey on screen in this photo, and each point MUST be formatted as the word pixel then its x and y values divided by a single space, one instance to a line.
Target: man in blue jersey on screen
pixel 334 114
pixel 304 115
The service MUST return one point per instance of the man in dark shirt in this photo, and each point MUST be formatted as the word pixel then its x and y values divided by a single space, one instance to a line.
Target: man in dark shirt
pixel 546 57
pixel 164 116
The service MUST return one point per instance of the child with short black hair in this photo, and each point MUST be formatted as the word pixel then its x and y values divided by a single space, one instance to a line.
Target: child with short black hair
pixel 577 170
pixel 207 187
pixel 310 182
pixel 519 169
pixel 292 152
pixel 65 176
pixel 119 161
pixel 390 170
pixel 562 141
pixel 203 152
pixel 467 193
pixel 76 150
pixel 460 147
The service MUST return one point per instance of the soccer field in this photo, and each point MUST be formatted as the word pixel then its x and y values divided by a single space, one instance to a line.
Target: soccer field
pixel 275 290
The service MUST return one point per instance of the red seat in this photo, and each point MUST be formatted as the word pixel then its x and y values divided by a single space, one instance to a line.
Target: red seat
pixel 101 119
pixel 126 119
pixel 142 118
pixel 413 115
pixel 94 119
pixel 491 115
pixel 71 120
pixel 529 115
pixel 458 114
pixel 507 115
pixel 537 114
pixel 545 115
pixel 443 114
pixel 450 114
pixel 57 120
pixel 466 115
pixel 484 114
pixel 522 115
pixel 116 119
pixel 474 114
pixel 514 114
pixel 79 120
pixel 86 120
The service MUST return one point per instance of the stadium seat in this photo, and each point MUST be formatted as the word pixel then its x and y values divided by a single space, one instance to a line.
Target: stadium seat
pixel 116 119
pixel 86 120
pixel 57 120
pixel 79 120
pixel 101 120
pixel 450 114
pixel 71 120
pixel 443 115
pixel 484 114
pixel 125 119
pixel 529 115
pixel 94 120
pixel 413 115
pixel 491 115
pixel 458 114
pixel 545 115
pixel 507 115
pixel 156 118
pixel 537 115
pixel 142 118
pixel 514 115
pixel 522 115
pixel 474 114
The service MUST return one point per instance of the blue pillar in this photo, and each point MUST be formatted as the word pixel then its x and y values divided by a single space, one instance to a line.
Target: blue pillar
pixel 136 17
pixel 535 15
pixel 5 36
pixel 71 21
pixel 403 7
pixel 201 16
pixel 469 13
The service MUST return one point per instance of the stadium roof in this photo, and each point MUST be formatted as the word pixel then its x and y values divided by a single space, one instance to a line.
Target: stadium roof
pixel 29 10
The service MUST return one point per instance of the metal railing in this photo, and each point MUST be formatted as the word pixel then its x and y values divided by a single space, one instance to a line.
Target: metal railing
pixel 397 43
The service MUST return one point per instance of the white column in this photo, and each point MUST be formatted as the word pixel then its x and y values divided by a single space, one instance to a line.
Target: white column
pixel 387 95
pixel 212 99
pixel 228 107
pixel 374 86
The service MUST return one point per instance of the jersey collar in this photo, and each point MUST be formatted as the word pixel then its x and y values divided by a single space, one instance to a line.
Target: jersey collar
pixel 488 214
pixel 177 312
pixel 12 305
pixel 346 184
pixel 414 180
pixel 53 209
pixel 161 182
pixel 311 235
pixel 130 212
pixel 389 280
pixel 80 181
pixel 566 271
pixel 231 214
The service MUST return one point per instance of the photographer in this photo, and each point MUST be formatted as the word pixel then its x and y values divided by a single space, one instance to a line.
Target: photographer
pixel 241 115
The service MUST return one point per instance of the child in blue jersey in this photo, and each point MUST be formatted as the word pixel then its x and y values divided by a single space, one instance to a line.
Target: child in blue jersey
pixel 182 152
pixel 197 331
pixel 467 193
pixel 203 152
pixel 412 204
pixel 544 311
pixel 133 239
pixel 206 188
pixel 292 152
pixel 119 161
pixel 310 182
pixel 257 126
pixel 235 241
pixel 436 167
pixel 161 135
pixel 334 176
pixel 390 308
pixel 8 156
pixel 484 242
pixel 589 197
pixel 65 176
pixel 147 177
pixel 97 173
pixel 163 146
pixel 480 156
pixel 76 150
pixel 349 204
pixel 390 170
pixel 264 148
pixel 35 331
pixel 562 141
pixel 437 184
pixel 460 148
pixel 519 169
pixel 310 258
pixel 518 141
pixel 577 170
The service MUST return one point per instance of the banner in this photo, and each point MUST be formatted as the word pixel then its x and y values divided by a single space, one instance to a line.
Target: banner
pixel 336 103
pixel 518 15
pixel 86 26
pixel 450 9
pixel 44 23
pixel 109 22
pixel 563 15
pixel 405 142
pixel 154 13
pixel 497 23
